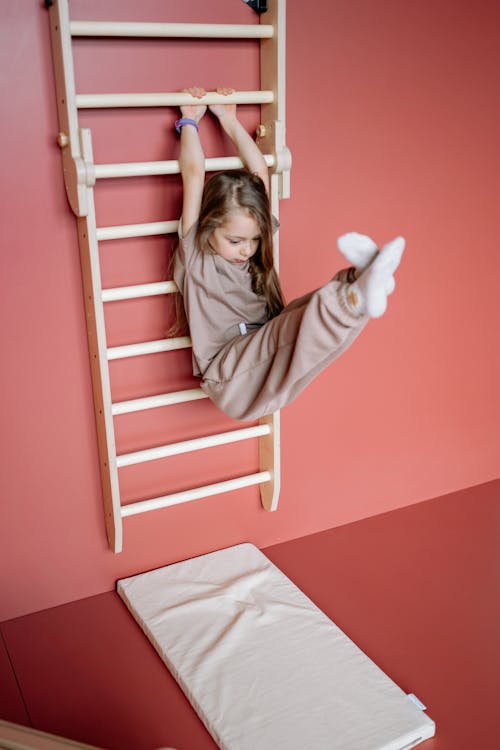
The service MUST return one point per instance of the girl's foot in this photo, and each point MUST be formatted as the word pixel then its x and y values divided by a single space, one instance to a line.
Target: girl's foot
pixel 360 250
pixel 368 294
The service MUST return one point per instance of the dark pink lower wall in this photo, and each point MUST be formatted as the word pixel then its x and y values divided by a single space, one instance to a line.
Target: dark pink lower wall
pixel 393 120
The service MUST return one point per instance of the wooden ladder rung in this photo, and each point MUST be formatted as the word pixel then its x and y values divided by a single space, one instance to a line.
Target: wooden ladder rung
pixel 153 402
pixel 188 446
pixel 147 168
pixel 148 347
pixel 138 290
pixel 136 230
pixel 106 101
pixel 197 493
pixel 171 30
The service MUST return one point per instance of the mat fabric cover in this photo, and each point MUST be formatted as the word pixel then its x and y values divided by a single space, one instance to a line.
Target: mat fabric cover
pixel 263 667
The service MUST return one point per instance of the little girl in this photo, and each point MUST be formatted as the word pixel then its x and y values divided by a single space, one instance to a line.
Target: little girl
pixel 253 353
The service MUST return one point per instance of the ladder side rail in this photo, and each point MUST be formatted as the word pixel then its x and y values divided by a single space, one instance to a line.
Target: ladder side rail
pixel 272 132
pixel 91 274
pixel 74 167
pixel 76 152
pixel 271 139
pixel 269 461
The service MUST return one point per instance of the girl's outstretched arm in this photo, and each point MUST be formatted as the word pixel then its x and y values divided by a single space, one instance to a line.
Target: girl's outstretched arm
pixel 192 161
pixel 248 150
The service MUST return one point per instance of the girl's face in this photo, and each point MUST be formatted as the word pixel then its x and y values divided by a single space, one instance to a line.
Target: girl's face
pixel 237 239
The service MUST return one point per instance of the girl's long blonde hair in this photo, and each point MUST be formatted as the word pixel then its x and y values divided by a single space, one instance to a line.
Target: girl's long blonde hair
pixel 224 192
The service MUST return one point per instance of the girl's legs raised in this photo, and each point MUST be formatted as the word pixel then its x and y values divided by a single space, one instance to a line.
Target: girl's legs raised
pixel 264 370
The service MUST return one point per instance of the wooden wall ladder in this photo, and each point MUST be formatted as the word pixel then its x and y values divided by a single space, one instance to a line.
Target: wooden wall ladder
pixel 80 175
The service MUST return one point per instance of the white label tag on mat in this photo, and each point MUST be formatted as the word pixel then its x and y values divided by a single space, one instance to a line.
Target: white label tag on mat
pixel 417 702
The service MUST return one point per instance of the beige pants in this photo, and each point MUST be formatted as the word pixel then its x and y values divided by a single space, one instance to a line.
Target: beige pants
pixel 259 372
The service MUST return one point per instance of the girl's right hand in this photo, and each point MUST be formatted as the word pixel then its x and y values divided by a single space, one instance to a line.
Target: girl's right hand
pixel 194 111
pixel 223 110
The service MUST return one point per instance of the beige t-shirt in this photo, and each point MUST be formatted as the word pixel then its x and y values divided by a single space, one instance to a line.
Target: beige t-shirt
pixel 218 299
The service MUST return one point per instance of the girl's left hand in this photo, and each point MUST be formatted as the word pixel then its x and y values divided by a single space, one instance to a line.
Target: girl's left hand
pixel 223 110
pixel 194 111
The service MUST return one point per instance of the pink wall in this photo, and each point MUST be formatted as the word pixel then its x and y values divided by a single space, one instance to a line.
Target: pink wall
pixel 393 121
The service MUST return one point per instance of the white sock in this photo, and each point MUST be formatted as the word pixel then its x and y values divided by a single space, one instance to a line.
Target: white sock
pixel 360 250
pixel 368 294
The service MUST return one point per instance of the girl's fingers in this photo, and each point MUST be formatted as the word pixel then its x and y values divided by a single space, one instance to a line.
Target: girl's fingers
pixel 197 91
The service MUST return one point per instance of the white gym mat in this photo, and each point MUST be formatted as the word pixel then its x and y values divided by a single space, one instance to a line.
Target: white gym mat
pixel 262 666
